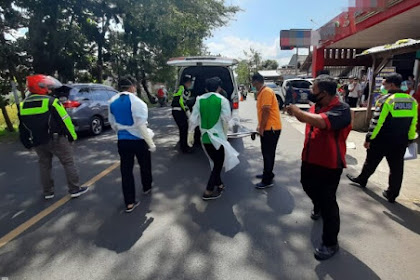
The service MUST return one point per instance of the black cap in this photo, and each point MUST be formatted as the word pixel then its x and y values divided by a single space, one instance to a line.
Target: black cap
pixel 186 79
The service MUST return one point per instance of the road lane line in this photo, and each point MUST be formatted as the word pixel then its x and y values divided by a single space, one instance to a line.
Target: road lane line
pixel 44 213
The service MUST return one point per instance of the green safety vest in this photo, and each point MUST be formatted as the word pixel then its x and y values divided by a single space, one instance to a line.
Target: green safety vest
pixel 180 94
pixel 35 113
pixel 210 110
pixel 398 106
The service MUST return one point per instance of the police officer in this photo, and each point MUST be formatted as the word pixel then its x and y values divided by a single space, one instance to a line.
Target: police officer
pixel 391 130
pixel 46 127
pixel 180 111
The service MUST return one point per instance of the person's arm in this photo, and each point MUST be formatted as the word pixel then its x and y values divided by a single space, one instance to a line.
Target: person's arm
pixel 140 115
pixel 337 118
pixel 264 118
pixel 193 122
pixel 378 120
pixel 359 90
pixel 64 119
pixel 180 94
pixel 412 134
pixel 266 103
pixel 111 118
pixel 139 110
pixel 226 114
pixel 194 119
pixel 315 120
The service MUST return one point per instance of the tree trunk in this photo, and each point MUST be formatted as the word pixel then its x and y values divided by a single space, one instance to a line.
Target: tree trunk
pixel 9 124
pixel 151 98
pixel 22 87
pixel 136 68
pixel 100 63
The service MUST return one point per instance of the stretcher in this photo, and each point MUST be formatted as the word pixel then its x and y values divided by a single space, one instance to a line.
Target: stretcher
pixel 242 132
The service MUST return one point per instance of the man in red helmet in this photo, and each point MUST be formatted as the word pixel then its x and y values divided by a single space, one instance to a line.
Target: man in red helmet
pixel 46 127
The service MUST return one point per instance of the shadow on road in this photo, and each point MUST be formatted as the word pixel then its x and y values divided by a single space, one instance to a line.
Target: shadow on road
pixel 121 231
pixel 406 217
pixel 351 160
pixel 250 233
pixel 345 266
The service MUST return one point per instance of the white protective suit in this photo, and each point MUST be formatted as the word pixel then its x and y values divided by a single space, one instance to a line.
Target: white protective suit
pixel 139 111
pixel 217 134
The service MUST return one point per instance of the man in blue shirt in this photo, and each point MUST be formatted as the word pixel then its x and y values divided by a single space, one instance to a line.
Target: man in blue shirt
pixel 128 117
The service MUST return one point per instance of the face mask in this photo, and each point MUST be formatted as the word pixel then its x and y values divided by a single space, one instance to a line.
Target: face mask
pixel 315 98
pixel 384 91
pixel 404 86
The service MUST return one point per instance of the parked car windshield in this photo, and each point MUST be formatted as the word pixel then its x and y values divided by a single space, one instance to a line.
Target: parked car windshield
pixel 301 84
pixel 272 85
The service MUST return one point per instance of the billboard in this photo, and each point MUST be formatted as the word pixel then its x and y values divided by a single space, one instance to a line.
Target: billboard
pixel 295 38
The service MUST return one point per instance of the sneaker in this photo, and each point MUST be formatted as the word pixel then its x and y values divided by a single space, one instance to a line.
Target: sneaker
pixel 79 192
pixel 48 196
pixel 388 197
pixel 221 188
pixel 131 209
pixel 357 181
pixel 325 252
pixel 263 185
pixel 315 215
pixel 260 176
pixel 147 191
pixel 212 196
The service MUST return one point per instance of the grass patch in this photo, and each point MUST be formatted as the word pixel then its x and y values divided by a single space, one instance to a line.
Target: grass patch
pixel 4 134
pixel 13 115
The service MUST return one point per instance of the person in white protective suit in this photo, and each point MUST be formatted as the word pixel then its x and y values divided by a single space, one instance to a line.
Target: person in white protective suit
pixel 212 113
pixel 128 117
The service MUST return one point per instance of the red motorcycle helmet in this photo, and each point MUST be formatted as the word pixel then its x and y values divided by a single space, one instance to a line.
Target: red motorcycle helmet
pixel 41 84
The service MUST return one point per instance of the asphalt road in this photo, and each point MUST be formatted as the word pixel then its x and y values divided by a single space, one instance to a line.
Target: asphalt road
pixel 247 234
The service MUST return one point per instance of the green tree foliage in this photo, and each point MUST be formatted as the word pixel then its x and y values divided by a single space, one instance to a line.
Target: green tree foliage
pixel 80 40
pixel 254 59
pixel 247 67
pixel 244 72
pixel 270 65
pixel 12 55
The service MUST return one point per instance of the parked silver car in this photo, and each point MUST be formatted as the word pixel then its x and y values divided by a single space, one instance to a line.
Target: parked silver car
pixel 87 105
pixel 277 90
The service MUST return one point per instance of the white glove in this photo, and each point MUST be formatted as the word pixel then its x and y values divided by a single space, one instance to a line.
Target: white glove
pixel 147 137
pixel 152 148
pixel 190 139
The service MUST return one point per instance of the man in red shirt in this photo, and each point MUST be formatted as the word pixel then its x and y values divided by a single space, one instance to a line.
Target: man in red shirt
pixel 324 157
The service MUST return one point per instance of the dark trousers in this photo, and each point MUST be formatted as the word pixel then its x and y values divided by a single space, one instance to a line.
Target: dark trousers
pixel 182 122
pixel 268 148
pixel 162 101
pixel 218 158
pixel 128 149
pixel 353 102
pixel 321 184
pixel 394 154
